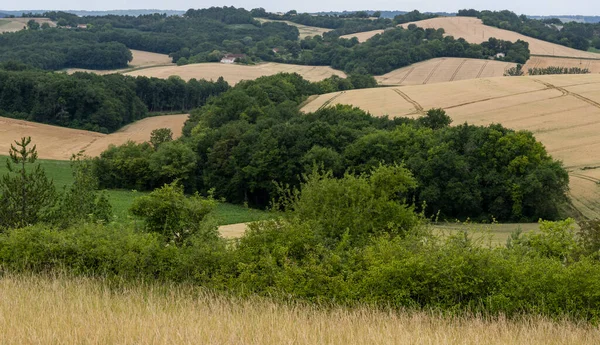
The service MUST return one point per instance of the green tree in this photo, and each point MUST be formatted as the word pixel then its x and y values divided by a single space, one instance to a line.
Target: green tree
pixel 81 201
pixel 435 119
pixel 25 196
pixel 33 25
pixel 160 136
pixel 169 212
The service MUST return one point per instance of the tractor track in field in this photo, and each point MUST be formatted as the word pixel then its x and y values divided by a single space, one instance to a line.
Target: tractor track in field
pixel 418 108
pixel 458 70
pixel 569 93
pixel 482 69
pixel 433 71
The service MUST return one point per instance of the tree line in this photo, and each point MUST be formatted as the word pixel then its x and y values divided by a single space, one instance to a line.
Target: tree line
pixel 254 134
pixel 98 103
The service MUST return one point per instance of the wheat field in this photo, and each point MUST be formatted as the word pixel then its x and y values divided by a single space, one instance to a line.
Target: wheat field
pixel 474 31
pixel 543 61
pixel 60 143
pixel 444 69
pixel 562 111
pixel 17 24
pixel 305 31
pixel 234 73
pixel 141 59
pixel 59 310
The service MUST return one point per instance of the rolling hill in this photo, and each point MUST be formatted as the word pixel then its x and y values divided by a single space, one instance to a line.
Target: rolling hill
pixel 305 31
pixel 60 143
pixel 474 31
pixel 16 24
pixel 234 73
pixel 443 70
pixel 562 111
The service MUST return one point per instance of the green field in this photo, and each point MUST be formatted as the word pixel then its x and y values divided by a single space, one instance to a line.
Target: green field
pixel 487 234
pixel 4 22
pixel 60 173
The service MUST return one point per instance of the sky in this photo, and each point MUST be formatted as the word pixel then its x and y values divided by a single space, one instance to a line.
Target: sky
pixel 530 7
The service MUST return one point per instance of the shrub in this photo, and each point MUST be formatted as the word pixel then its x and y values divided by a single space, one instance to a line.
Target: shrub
pixel 169 212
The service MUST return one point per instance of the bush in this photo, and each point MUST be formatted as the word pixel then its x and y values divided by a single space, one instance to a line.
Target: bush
pixel 169 212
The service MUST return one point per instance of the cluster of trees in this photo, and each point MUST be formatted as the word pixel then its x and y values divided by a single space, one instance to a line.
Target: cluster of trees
pixel 93 102
pixel 575 35
pixel 206 35
pixel 53 49
pixel 254 134
pixel 557 70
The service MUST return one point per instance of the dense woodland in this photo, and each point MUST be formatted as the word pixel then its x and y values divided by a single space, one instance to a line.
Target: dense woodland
pixel 92 102
pixel 254 134
pixel 580 36
pixel 206 35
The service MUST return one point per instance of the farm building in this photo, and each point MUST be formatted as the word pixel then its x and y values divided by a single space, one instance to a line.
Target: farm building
pixel 230 58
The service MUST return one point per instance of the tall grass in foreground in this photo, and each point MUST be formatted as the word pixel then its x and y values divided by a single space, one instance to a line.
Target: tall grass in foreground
pixel 59 310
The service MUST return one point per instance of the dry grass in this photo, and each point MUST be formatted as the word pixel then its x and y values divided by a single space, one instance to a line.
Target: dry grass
pixel 543 62
pixel 305 31
pixel 444 69
pixel 40 310
pixel 60 143
pixel 234 73
pixel 562 111
pixel 17 24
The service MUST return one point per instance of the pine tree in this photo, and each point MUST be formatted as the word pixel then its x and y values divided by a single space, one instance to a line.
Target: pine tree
pixel 25 196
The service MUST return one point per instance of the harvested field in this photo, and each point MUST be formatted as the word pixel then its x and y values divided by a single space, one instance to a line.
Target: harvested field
pixel 543 62
pixel 62 310
pixel 17 24
pixel 141 59
pixel 60 143
pixel 473 30
pixel 444 69
pixel 305 31
pixel 234 73
pixel 363 36
pixel 562 111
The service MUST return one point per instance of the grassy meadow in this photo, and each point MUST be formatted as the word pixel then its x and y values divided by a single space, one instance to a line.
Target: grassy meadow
pixel 121 200
pixel 60 310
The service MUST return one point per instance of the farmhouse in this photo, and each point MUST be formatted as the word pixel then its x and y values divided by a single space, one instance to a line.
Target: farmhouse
pixel 230 58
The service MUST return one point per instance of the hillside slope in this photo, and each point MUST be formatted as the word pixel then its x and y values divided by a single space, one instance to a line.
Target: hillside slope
pixel 234 73
pixel 444 69
pixel 60 143
pixel 474 31
pixel 562 111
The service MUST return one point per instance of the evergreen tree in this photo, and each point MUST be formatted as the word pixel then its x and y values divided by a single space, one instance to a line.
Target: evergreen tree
pixel 25 196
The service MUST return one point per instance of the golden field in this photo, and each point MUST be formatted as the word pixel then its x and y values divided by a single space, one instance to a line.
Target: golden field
pixel 545 61
pixel 60 143
pixel 562 111
pixel 305 31
pixel 17 24
pixel 445 69
pixel 234 73
pixel 473 31
pixel 59 310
